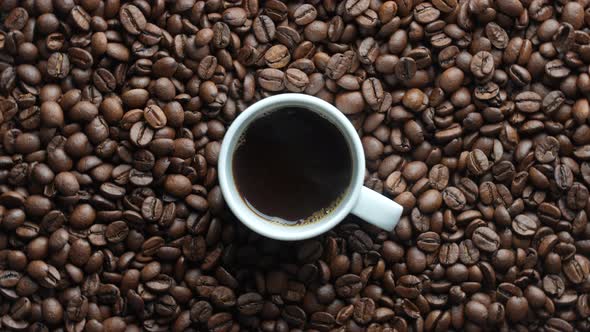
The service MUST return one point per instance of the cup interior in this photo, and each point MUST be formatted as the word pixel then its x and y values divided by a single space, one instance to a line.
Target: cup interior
pixel 230 143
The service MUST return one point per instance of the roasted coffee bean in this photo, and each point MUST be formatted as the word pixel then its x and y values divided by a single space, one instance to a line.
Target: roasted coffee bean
pixel 296 80
pixel 497 35
pixel 80 18
pixel 468 252
pixel 276 10
pixel 250 304
pixel 576 270
pixel 77 308
pixel 152 209
pixel 271 79
pixel 428 242
pixel 348 285
pixel 337 66
pixel 46 275
pixel 221 35
pixel 116 232
pixel 482 65
pixel 9 278
pixel 288 36
pixel 277 56
pixel 364 310
pixel 477 162
pixel 553 285
pixel 104 80
pixel 155 116
pixel 556 69
pixel 141 134
pixel 58 65
pixel 294 316
pixel 360 241
pixel 449 253
pixel 439 176
pixel 220 322
pixel 445 6
pixel 80 57
pixel 368 51
pixel 223 297
pixel 405 69
pixel 234 16
pixel 356 7
pixel 473 116
pixel 507 290
pixel 528 102
pixel 264 28
pixel 201 311
pixel 454 198
pixel 524 226
pixel 132 19
pixel 304 14
pixel 486 239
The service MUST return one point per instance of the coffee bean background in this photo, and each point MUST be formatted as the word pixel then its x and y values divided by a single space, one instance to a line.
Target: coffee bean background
pixel 474 115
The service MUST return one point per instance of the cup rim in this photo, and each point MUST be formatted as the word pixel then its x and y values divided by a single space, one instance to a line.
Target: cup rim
pixel 261 225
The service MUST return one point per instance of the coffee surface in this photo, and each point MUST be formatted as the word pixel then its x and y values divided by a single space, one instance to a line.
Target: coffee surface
pixel 292 166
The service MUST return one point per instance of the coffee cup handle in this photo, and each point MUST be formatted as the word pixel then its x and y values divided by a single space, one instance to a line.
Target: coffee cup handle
pixel 377 209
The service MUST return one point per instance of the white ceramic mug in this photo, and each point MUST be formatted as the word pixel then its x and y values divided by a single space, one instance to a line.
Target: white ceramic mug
pixel 358 200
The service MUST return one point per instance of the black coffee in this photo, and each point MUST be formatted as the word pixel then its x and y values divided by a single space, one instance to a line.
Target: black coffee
pixel 292 166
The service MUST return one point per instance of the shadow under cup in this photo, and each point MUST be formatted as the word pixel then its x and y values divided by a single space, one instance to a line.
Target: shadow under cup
pixel 263 225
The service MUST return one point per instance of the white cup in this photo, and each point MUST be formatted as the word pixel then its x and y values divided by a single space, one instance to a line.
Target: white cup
pixel 358 200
